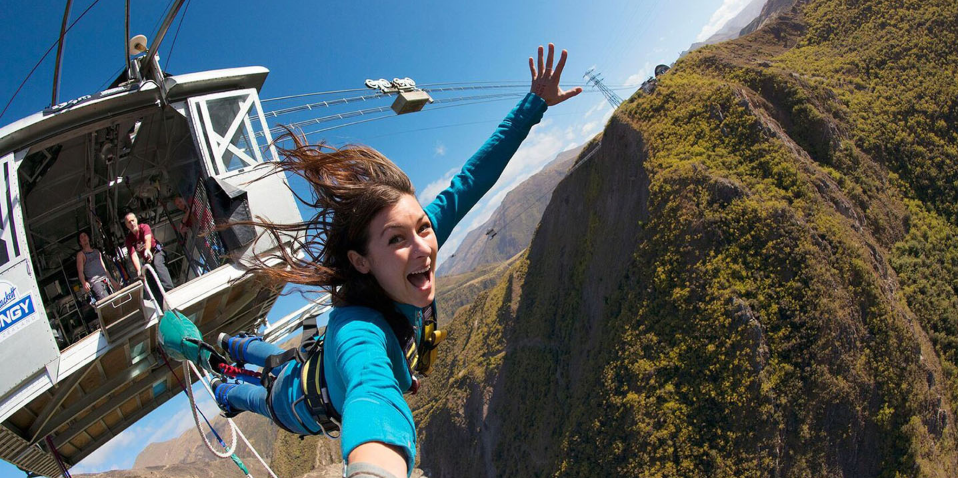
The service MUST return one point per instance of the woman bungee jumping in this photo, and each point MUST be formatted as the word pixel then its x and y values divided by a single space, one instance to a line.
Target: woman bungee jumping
pixel 373 247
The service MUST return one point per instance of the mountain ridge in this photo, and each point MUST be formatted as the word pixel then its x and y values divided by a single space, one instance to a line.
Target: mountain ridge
pixel 513 221
pixel 773 296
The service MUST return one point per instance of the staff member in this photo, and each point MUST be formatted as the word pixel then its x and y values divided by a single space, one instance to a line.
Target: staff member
pixel 144 249
pixel 91 270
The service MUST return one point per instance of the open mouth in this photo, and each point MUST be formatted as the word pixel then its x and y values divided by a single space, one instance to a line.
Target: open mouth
pixel 420 278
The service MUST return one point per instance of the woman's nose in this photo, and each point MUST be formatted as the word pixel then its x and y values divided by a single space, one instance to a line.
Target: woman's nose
pixel 422 246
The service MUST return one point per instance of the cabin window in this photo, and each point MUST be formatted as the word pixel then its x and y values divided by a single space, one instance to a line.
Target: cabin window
pixel 231 131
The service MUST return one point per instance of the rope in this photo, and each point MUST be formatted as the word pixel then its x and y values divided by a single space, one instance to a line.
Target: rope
pixel 187 365
pixel 57 457
pixel 235 428
pixel 233 371
pixel 189 393
pixel 194 408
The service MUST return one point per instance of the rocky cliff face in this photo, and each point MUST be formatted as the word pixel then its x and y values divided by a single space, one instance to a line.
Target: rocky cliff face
pixel 756 274
pixel 514 221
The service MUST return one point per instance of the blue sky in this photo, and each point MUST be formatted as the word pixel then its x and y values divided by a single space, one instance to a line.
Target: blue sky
pixel 317 46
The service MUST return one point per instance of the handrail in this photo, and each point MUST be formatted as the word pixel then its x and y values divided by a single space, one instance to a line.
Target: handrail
pixel 282 328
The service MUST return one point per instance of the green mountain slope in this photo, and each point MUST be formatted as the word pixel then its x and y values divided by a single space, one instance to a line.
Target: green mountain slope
pixel 756 275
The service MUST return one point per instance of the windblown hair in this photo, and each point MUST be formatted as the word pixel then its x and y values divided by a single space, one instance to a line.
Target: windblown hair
pixel 349 187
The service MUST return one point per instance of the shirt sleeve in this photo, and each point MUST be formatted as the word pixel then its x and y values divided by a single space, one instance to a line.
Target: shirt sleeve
pixel 146 231
pixel 483 169
pixel 373 409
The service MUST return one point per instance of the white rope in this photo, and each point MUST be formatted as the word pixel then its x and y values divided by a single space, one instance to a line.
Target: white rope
pixel 261 460
pixel 196 419
pixel 235 430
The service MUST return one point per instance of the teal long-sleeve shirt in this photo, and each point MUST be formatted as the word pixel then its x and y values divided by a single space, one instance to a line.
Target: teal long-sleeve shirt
pixel 364 364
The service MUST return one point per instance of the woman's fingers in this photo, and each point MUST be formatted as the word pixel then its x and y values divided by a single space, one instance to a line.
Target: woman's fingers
pixel 541 69
pixel 569 94
pixel 552 50
pixel 532 68
pixel 562 57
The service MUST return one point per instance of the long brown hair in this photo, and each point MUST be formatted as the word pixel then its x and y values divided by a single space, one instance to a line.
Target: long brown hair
pixel 348 186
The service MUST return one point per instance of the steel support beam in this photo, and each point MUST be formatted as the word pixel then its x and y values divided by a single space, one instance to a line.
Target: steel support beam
pixel 100 412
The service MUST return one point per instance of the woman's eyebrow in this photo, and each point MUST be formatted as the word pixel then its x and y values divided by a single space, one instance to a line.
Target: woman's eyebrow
pixel 387 227
pixel 396 225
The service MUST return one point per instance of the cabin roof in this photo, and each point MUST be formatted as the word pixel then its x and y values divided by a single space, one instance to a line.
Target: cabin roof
pixel 115 102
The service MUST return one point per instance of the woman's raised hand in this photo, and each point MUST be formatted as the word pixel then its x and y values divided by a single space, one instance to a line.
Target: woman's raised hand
pixel 545 81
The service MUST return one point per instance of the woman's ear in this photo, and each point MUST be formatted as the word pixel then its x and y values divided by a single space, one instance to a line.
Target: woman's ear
pixel 359 262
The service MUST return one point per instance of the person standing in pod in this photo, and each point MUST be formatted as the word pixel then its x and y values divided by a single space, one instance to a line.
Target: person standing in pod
pixel 373 247
pixel 144 249
pixel 92 271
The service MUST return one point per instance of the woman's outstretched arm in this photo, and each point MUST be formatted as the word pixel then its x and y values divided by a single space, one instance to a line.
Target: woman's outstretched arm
pixel 483 169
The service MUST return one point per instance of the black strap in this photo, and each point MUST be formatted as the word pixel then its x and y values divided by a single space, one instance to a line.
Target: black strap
pixel 274 361
pixel 317 391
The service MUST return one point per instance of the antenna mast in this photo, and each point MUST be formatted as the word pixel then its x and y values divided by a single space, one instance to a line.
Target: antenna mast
pixel 596 81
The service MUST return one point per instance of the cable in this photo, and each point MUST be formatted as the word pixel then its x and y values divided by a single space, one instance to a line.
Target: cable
pixel 15 93
pixel 169 54
pixel 424 111
pixel 396 116
pixel 380 109
pixel 320 93
pixel 422 86
pixel 326 104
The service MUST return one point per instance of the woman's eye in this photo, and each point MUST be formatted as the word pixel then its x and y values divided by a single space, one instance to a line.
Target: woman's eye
pixel 425 227
pixel 395 239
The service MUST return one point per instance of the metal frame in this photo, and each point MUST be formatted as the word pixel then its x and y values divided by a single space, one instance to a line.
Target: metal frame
pixel 214 145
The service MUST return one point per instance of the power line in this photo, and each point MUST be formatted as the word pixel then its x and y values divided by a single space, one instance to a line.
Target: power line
pixel 613 98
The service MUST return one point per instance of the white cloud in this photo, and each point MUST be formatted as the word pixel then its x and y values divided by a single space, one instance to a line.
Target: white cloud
pixel 428 193
pixel 600 105
pixel 440 149
pixel 104 458
pixel 720 17
pixel 640 76
pixel 122 450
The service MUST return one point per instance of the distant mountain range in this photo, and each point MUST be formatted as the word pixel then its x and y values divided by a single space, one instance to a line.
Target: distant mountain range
pixel 509 230
pixel 753 16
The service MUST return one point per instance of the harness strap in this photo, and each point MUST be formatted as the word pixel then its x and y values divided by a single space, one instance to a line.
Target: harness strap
pixel 316 391
pixel 274 361
pixel 419 358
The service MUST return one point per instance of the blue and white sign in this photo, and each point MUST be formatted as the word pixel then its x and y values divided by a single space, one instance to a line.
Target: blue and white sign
pixel 15 311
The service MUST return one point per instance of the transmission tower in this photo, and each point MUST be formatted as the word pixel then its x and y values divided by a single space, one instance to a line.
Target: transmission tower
pixel 596 81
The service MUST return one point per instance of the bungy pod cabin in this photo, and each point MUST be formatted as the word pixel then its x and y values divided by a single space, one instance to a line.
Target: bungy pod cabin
pixel 180 152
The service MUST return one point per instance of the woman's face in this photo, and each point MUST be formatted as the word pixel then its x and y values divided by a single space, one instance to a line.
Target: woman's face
pixel 401 253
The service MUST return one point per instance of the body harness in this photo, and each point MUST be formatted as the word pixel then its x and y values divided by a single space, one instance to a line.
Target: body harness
pixel 419 358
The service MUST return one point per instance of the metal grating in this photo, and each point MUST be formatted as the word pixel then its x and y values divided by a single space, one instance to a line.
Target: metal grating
pixel 16 450
pixel 205 248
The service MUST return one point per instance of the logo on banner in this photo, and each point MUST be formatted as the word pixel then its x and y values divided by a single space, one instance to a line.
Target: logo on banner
pixel 13 309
